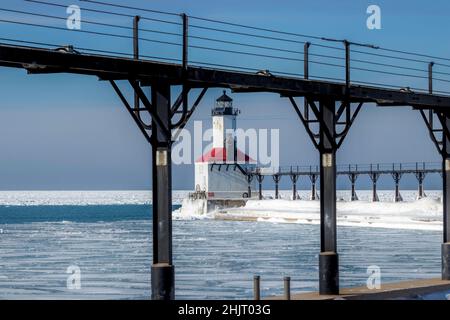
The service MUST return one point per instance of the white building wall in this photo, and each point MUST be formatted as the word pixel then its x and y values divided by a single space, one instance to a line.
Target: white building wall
pixel 222 124
pixel 218 132
pixel 230 147
pixel 201 176
pixel 225 183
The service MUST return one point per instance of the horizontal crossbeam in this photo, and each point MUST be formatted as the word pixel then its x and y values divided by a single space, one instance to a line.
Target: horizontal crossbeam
pixel 117 68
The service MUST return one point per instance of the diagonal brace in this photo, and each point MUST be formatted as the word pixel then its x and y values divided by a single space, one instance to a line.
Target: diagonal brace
pixel 165 131
pixel 182 124
pixel 305 122
pixel 131 111
pixel 429 123
pixel 326 131
pixel 348 124
pixel 179 100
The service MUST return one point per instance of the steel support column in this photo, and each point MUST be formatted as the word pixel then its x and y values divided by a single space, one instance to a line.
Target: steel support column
pixel 397 176
pixel 163 272
pixel 277 178
pixel 446 202
pixel 443 146
pixel 260 179
pixel 328 258
pixel 313 178
pixel 353 177
pixel 374 177
pixel 249 187
pixel 294 179
pixel 420 177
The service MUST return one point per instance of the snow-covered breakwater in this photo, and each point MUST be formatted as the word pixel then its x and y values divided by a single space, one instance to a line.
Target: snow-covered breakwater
pixel 422 214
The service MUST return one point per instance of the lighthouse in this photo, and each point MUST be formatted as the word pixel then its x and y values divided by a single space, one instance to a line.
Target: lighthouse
pixel 220 173
pixel 224 127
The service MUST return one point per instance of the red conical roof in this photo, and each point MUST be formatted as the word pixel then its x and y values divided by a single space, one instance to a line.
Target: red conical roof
pixel 219 155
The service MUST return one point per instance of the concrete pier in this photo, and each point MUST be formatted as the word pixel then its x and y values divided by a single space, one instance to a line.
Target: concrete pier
pixel 398 290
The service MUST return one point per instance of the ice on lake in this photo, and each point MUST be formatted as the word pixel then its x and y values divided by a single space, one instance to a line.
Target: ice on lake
pixel 214 259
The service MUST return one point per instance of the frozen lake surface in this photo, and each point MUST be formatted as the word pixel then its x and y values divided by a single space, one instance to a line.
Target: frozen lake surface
pixel 111 244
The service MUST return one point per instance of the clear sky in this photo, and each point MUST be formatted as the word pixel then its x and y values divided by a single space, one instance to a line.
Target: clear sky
pixel 71 132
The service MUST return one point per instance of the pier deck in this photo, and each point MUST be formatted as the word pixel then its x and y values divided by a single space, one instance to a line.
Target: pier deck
pixel 396 290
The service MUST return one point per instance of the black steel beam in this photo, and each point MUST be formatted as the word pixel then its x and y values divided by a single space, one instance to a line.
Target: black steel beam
pixel 132 112
pixel 276 179
pixel 260 179
pixel 374 177
pixel 446 203
pixel 353 177
pixel 443 147
pixel 148 72
pixel 163 128
pixel 304 120
pixel 294 179
pixel 313 178
pixel 420 177
pixel 348 123
pixel 181 125
pixel 429 123
pixel 324 131
pixel 163 274
pixel 397 176
pixel 328 258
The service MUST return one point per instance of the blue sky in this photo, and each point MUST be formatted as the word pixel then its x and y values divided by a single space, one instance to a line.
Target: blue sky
pixel 71 132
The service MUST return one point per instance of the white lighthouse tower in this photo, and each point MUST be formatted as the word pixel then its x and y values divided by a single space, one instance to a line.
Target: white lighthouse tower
pixel 221 172
pixel 224 126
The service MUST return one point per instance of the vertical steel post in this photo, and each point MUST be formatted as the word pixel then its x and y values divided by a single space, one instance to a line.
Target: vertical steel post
pixel 287 288
pixel 136 56
pixel 276 178
pixel 256 288
pixel 430 77
pixel 306 60
pixel 185 61
pixel 136 37
pixel 446 203
pixel 294 179
pixel 420 177
pixel 185 41
pixel 328 258
pixel 374 178
pixel 347 64
pixel 313 179
pixel 163 272
pixel 430 90
pixel 306 75
pixel 397 177
pixel 353 177
pixel 249 187
pixel 260 179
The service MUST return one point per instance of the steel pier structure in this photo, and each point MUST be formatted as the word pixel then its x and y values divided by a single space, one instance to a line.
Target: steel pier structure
pixel 327 111
pixel 352 171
